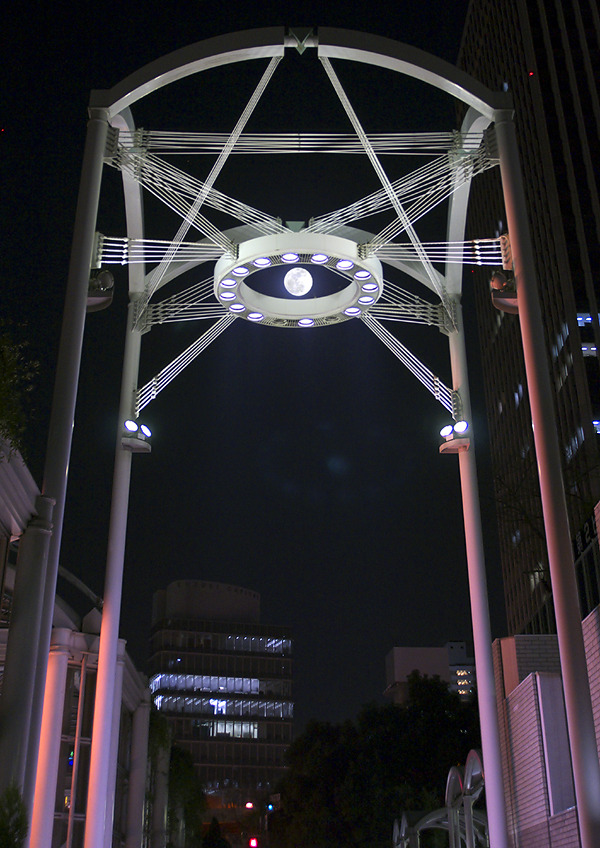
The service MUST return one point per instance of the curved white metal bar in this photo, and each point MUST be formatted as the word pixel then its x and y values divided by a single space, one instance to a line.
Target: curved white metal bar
pixel 269 42
pixel 212 53
pixel 410 61
pixel 473 778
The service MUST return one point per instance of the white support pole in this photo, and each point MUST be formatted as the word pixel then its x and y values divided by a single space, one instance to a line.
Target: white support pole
pixel 77 749
pixel 22 650
pixel 58 449
pixel 480 615
pixel 580 720
pixel 98 787
pixel 138 764
pixel 54 704
pixel 114 746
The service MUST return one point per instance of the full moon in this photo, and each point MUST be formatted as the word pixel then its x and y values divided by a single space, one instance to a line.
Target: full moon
pixel 298 281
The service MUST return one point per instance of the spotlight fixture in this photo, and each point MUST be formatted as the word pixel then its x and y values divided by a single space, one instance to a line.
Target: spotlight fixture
pixel 135 437
pixel 454 437
pixel 100 290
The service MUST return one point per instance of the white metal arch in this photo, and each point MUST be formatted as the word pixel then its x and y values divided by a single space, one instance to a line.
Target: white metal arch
pixel 270 42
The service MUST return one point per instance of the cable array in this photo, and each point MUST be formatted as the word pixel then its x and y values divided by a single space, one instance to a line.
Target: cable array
pixel 427 378
pixel 188 305
pixel 113 250
pixel 116 250
pixel 420 192
pixel 175 188
pixel 194 143
pixel 397 304
pixel 476 252
pixel 433 275
pixel 147 393
pixel 454 159
pixel 193 212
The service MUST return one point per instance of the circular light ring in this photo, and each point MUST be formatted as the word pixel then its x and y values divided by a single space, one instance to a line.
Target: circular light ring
pixel 339 255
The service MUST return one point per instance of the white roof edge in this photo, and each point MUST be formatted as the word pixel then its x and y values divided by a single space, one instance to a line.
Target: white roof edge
pixel 18 491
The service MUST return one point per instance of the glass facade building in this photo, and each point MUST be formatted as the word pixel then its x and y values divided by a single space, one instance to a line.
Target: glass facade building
pixel 546 53
pixel 225 685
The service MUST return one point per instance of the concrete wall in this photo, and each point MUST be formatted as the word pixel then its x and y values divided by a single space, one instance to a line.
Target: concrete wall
pixel 202 599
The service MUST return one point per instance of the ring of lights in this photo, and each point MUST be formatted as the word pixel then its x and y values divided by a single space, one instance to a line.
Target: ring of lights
pixel 339 255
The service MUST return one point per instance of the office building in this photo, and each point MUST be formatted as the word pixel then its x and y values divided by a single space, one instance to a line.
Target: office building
pixel 224 681
pixel 450 663
pixel 546 54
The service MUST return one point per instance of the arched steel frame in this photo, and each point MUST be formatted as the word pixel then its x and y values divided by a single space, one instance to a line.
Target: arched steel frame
pixel 111 109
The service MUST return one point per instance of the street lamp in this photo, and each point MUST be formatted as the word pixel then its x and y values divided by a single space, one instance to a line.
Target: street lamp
pixel 454 437
pixel 136 437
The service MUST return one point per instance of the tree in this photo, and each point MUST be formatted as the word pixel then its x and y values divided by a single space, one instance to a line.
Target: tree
pixel 13 818
pixel 187 801
pixel 347 783
pixel 17 373
pixel 213 837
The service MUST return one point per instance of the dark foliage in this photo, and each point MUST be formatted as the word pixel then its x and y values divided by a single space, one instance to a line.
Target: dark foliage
pixel 347 783
pixel 187 801
pixel 17 374
pixel 13 818
pixel 213 837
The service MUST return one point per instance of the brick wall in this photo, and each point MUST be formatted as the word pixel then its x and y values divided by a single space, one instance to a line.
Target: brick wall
pixel 525 770
pixel 564 830
pixel 591 639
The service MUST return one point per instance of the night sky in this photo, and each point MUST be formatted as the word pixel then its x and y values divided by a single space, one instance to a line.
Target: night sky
pixel 302 464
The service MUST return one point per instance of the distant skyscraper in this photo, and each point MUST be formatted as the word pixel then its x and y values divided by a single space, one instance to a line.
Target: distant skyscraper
pixel 449 663
pixel 546 53
pixel 224 681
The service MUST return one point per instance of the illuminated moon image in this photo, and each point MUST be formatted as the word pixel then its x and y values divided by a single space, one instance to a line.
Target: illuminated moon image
pixel 298 281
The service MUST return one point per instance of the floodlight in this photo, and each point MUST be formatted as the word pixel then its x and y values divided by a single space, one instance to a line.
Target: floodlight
pixel 135 437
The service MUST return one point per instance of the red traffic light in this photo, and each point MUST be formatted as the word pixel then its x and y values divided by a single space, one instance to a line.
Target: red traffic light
pixel 253 842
